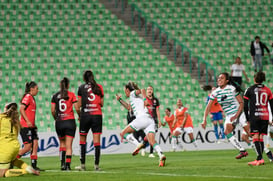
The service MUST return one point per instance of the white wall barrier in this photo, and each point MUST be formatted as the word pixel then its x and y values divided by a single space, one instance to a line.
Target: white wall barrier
pixel 111 144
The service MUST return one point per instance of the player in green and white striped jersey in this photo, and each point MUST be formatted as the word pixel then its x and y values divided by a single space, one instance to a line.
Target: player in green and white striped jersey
pixel 228 97
pixel 143 120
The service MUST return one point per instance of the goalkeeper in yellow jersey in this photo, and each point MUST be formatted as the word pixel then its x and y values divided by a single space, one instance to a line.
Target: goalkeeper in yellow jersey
pixel 9 144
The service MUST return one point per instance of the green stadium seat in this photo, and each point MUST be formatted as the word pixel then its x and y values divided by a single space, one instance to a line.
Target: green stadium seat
pixel 64 40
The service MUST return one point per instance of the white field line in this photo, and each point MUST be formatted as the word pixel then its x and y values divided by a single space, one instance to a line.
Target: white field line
pixel 164 174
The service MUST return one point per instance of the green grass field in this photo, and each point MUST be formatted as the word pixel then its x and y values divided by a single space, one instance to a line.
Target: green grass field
pixel 194 165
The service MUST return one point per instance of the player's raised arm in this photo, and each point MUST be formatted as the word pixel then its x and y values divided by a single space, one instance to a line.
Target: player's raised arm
pixel 122 102
pixel 143 92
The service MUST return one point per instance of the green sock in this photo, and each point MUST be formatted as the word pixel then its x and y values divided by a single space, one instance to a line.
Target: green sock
pixel 229 135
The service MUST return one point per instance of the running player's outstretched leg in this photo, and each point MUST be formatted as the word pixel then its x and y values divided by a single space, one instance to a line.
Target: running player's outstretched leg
pixel 268 153
pixel 162 157
pixel 234 141
pixel 128 136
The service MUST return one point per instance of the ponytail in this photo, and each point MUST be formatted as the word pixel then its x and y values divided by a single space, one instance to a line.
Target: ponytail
pixel 64 88
pixel 231 82
pixel 131 86
pixel 207 87
pixel 88 77
pixel 12 113
pixel 28 86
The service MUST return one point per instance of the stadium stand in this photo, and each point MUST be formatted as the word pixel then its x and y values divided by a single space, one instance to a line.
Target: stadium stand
pixel 218 31
pixel 44 41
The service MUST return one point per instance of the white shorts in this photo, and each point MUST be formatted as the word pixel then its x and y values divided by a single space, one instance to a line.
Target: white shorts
pixel 270 129
pixel 241 121
pixel 187 130
pixel 143 122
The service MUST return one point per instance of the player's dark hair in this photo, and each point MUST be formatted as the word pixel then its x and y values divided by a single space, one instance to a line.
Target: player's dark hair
pixel 88 77
pixel 12 112
pixel 257 37
pixel 231 82
pixel 259 77
pixel 207 87
pixel 131 86
pixel 153 90
pixel 169 109
pixel 180 100
pixel 239 59
pixel 64 88
pixel 28 86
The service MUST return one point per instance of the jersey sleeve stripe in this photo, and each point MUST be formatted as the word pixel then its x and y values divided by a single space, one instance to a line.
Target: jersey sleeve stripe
pixel 25 104
pixel 246 98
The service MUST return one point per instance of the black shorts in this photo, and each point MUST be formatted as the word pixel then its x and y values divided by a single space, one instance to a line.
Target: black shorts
pixel 130 117
pixel 237 79
pixel 258 127
pixel 65 128
pixel 93 122
pixel 28 135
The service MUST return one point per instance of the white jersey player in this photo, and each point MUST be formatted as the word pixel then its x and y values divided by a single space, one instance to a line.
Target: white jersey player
pixel 143 120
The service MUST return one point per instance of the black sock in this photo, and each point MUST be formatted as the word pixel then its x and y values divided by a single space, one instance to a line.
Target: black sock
pixel 83 152
pixel 97 154
pixel 258 150
pixel 68 161
pixel 62 155
pixel 151 150
pixel 269 155
pixel 34 163
pixel 262 148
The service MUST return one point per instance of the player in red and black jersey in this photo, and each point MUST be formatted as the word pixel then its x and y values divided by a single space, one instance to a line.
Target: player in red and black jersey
pixel 153 109
pixel 28 131
pixel 90 100
pixel 62 111
pixel 256 101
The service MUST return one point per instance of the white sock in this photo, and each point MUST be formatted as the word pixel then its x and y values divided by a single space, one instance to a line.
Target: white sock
pixel 173 143
pixel 194 143
pixel 131 139
pixel 234 141
pixel 266 150
pixel 158 150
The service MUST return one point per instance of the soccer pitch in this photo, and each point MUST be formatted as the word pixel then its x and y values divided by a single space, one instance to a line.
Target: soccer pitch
pixel 188 165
